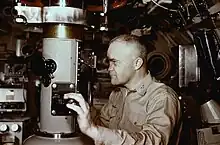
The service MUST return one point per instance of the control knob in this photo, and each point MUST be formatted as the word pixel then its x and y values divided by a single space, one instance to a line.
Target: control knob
pixel 3 128
pixel 15 127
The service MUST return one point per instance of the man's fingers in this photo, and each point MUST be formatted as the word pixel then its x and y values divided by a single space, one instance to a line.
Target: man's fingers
pixel 76 108
pixel 79 98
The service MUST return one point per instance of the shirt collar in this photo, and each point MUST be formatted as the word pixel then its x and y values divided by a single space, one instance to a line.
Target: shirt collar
pixel 143 84
pixel 141 87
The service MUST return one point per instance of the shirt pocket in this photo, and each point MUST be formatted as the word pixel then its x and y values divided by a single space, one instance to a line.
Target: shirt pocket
pixel 138 119
pixel 134 122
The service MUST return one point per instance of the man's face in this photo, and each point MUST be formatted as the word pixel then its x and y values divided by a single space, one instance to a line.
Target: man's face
pixel 120 63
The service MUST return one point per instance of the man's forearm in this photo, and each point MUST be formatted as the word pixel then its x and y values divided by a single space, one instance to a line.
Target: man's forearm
pixel 92 132
pixel 109 136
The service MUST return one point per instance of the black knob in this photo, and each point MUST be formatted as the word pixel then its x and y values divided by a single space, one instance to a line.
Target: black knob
pixel 50 65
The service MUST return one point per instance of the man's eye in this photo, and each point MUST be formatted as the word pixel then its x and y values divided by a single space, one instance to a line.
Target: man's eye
pixel 115 63
pixel 111 63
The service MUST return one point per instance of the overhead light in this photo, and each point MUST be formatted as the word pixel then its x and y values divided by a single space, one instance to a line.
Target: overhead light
pixel 102 14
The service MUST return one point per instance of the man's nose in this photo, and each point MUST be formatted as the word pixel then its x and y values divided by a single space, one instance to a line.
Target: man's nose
pixel 110 67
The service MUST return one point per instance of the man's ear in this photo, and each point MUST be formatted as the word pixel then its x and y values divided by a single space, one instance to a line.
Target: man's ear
pixel 138 63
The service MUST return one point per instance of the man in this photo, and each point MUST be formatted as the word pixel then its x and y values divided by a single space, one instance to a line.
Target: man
pixel 140 111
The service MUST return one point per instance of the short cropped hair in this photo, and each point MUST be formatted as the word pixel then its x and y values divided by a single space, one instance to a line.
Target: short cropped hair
pixel 135 40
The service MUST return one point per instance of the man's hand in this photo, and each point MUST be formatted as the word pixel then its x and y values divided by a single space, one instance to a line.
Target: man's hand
pixel 83 111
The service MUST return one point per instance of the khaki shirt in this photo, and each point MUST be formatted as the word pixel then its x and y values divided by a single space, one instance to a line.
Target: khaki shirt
pixel 146 115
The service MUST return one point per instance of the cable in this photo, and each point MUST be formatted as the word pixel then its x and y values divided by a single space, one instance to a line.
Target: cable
pixel 163 6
